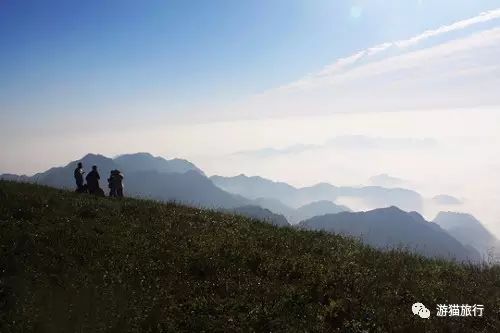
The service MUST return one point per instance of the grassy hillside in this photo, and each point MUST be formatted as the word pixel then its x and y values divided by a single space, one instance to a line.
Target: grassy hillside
pixel 75 263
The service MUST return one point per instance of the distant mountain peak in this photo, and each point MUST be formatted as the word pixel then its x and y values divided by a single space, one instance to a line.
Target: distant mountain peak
pixel 138 154
pixel 92 159
pixel 258 187
pixel 468 230
pixel 92 155
pixel 456 214
pixel 324 185
pixel 390 209
pixel 143 161
pixel 449 220
pixel 391 227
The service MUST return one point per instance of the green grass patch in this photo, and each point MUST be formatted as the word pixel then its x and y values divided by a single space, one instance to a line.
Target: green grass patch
pixel 77 263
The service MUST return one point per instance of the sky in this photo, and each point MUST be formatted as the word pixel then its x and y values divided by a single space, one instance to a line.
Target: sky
pixel 297 91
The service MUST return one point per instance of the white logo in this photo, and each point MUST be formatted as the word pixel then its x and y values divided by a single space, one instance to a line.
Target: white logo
pixel 420 310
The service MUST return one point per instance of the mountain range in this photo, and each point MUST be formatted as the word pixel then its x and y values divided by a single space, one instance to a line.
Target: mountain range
pixel 451 235
pixel 257 187
pixel 145 176
pixel 147 162
pixel 388 228
pixel 295 215
pixel 469 231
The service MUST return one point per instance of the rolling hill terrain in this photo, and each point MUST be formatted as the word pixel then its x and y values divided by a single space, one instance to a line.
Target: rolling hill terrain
pixel 77 263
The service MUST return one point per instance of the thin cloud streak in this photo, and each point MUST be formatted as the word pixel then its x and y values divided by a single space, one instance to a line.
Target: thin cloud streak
pixel 349 142
pixel 346 62
pixel 457 73
pixel 459 25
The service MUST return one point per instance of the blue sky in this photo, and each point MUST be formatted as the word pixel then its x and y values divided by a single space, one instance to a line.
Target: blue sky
pixel 100 54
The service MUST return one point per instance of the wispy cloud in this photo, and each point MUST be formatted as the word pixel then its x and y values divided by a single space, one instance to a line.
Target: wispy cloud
pixel 349 142
pixel 271 152
pixel 459 25
pixel 457 72
pixel 405 43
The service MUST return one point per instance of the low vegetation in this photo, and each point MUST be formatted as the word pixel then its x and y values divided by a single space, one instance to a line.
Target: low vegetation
pixel 76 263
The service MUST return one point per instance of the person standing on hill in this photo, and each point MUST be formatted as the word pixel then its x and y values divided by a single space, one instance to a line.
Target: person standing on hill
pixel 93 181
pixel 78 173
pixel 118 179
pixel 111 185
pixel 115 184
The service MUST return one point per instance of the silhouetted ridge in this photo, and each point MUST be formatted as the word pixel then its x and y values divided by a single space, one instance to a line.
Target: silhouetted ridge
pixel 262 214
pixel 148 162
pixel 370 196
pixel 316 208
pixel 393 227
pixel 469 231
pixel 147 176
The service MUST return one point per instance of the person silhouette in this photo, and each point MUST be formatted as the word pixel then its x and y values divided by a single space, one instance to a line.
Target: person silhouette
pixel 115 182
pixel 78 173
pixel 118 183
pixel 93 181
pixel 112 189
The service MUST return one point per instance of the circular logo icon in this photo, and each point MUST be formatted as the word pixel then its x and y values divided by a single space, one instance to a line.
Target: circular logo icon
pixel 420 310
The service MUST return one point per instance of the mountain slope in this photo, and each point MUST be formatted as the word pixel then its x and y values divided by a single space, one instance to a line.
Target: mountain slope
pixel 76 263
pixel 317 208
pixel 274 205
pixel 255 187
pixel 146 176
pixel 190 188
pixel 468 230
pixel 392 227
pixel 62 177
pixel 262 214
